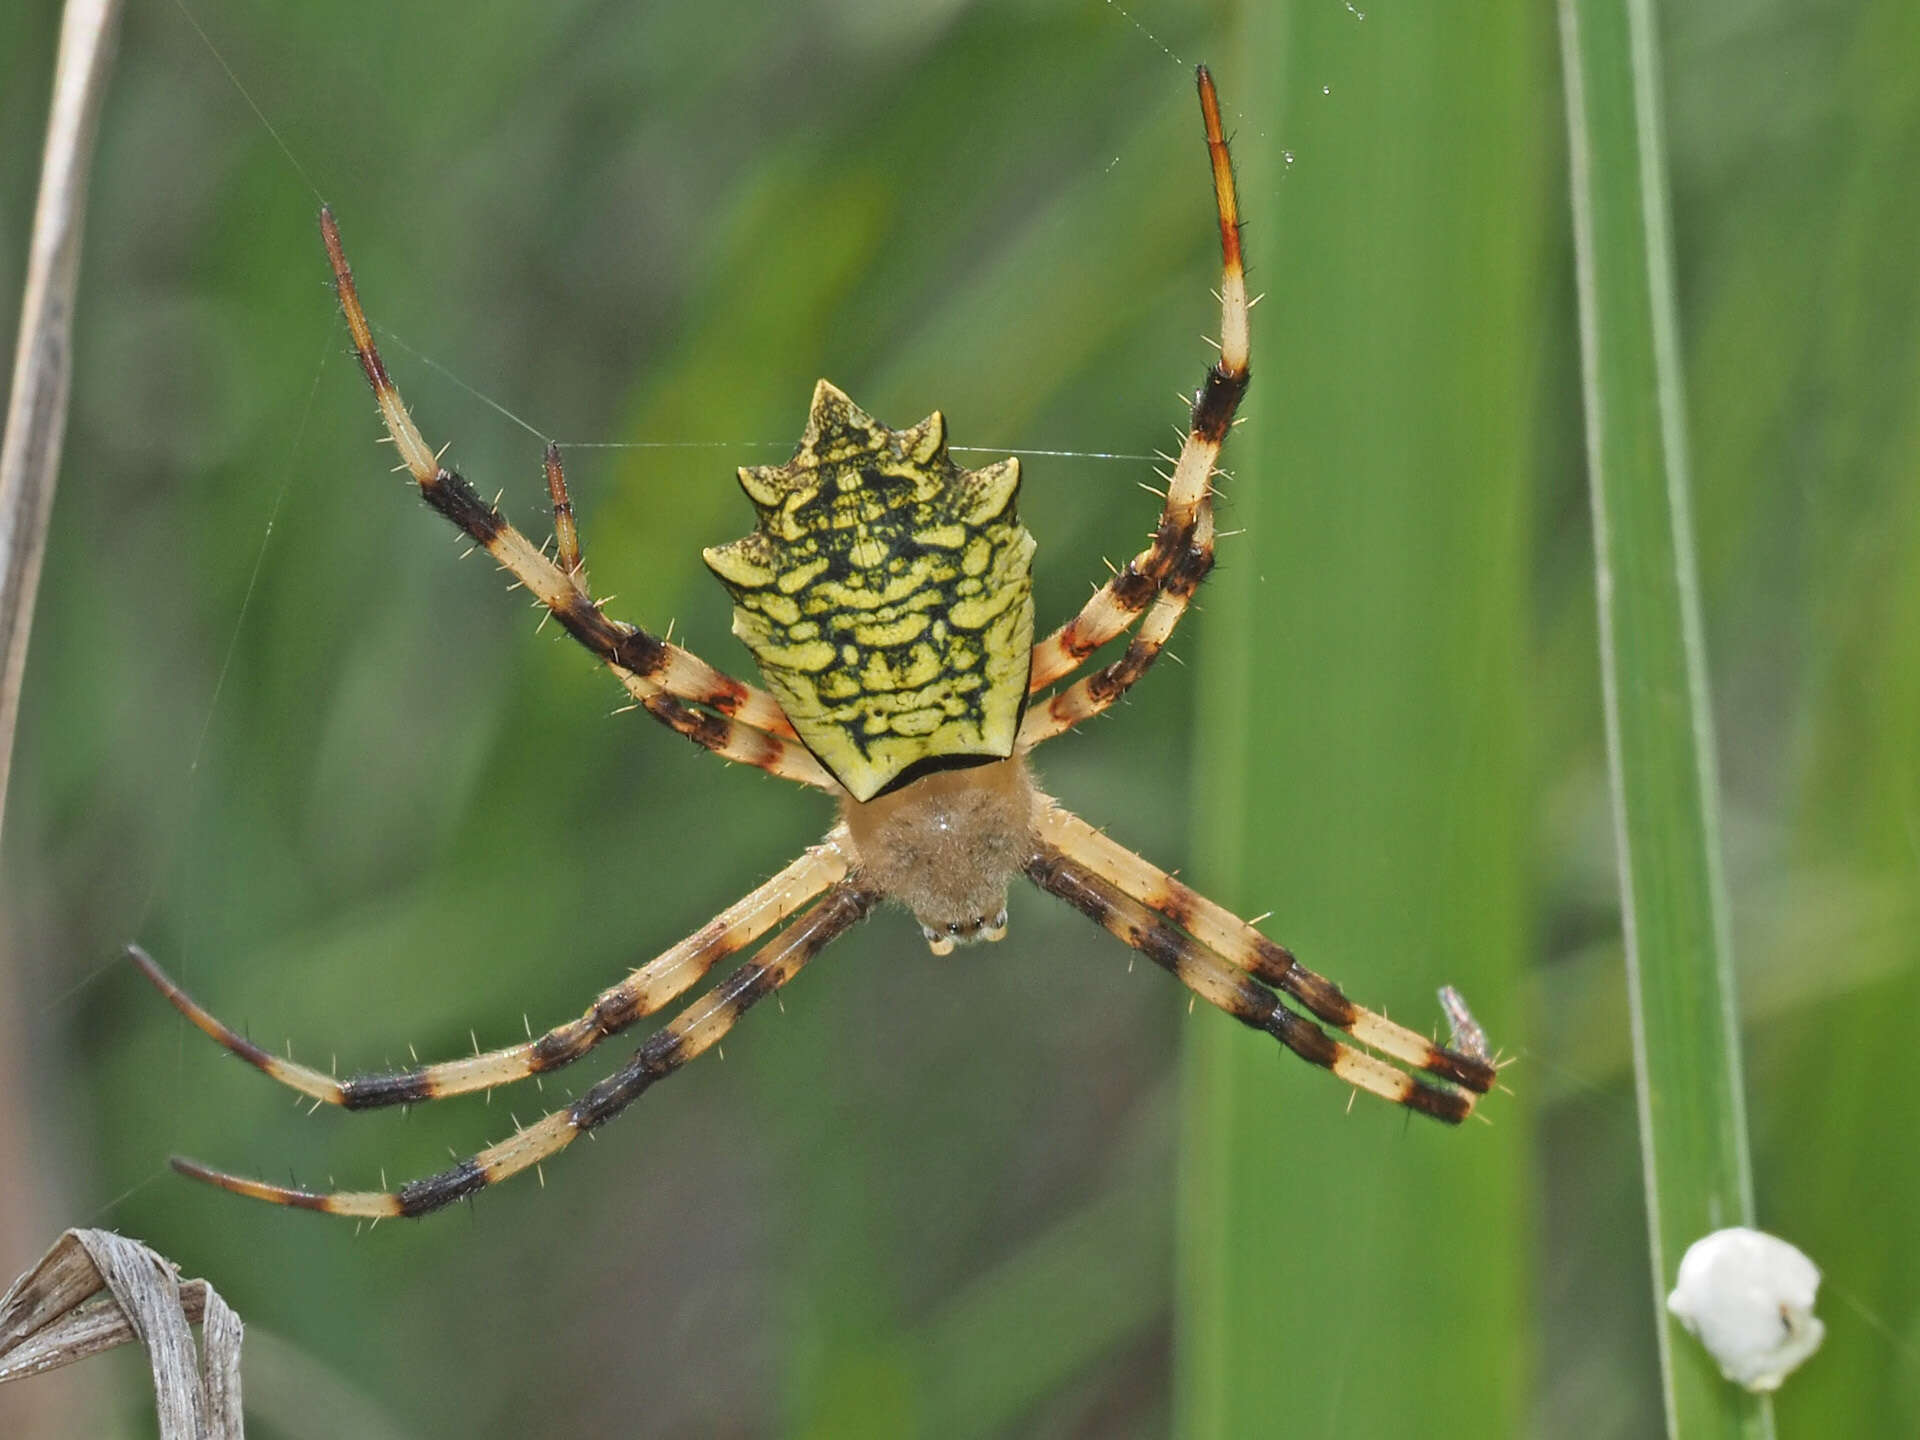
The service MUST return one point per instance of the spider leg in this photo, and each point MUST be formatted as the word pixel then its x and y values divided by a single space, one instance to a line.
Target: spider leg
pixel 676 687
pixel 1093 693
pixel 1168 571
pixel 1245 948
pixel 1226 988
pixel 648 989
pixel 685 674
pixel 699 1026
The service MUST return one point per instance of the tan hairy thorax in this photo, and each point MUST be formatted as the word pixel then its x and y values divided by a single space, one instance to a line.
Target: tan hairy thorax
pixel 946 845
pixel 886 594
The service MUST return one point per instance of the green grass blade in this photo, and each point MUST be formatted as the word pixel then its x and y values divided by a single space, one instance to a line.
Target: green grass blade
pixel 1659 725
pixel 1348 1271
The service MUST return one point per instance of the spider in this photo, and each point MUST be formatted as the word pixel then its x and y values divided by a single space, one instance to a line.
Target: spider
pixel 886 595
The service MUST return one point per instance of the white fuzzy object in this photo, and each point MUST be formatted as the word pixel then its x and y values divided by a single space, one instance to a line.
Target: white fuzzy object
pixel 1748 1296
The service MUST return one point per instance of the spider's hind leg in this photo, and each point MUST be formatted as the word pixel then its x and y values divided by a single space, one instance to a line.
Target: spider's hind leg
pixel 701 1025
pixel 1196 964
pixel 644 992
pixel 1245 948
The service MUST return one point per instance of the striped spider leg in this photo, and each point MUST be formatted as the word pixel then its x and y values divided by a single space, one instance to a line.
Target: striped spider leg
pixel 1235 968
pixel 697 1028
pixel 734 720
pixel 649 989
pixel 1165 574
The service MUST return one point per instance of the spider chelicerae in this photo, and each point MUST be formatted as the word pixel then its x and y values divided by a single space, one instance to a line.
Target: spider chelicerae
pixel 886 596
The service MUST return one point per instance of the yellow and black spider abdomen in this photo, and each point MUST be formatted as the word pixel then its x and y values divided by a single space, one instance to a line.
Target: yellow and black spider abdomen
pixel 886 594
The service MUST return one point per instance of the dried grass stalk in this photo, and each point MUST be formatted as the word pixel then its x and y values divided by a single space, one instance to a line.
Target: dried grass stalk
pixel 94 1290
pixel 43 357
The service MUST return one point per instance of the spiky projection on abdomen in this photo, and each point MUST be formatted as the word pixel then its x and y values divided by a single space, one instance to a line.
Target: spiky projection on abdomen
pixel 886 594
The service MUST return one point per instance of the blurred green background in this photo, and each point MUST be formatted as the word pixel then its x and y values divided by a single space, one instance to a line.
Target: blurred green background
pixel 1019 1191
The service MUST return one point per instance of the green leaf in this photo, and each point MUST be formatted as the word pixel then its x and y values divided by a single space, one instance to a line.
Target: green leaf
pixel 1363 736
pixel 1693 1136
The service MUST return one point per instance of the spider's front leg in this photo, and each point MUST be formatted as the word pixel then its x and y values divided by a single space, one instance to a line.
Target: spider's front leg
pixel 1165 574
pixel 735 720
pixel 701 1025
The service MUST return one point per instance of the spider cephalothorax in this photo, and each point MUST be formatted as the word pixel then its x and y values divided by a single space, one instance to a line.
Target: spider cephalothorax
pixel 885 595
